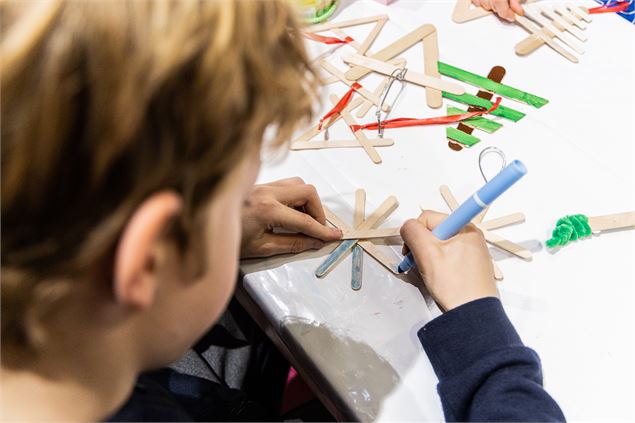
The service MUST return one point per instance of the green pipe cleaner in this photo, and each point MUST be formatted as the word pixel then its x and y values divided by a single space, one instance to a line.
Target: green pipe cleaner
pixel 569 228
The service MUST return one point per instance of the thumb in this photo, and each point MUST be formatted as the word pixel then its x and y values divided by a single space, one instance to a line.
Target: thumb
pixel 418 238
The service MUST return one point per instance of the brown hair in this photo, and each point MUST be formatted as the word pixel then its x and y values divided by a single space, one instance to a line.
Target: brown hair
pixel 105 103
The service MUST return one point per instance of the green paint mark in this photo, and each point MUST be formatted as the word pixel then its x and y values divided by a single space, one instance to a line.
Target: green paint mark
pixel 472 100
pixel 491 86
pixel 569 228
pixel 460 136
pixel 477 121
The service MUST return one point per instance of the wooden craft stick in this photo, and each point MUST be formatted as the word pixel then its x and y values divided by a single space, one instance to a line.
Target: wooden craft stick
pixel 491 86
pixel 360 208
pixel 498 274
pixel 362 91
pixel 448 197
pixel 393 50
pixel 365 107
pixel 501 222
pixel 371 233
pixel 380 256
pixel 612 221
pixel 328 80
pixel 410 76
pixel 374 220
pixel 529 26
pixel 461 137
pixel 361 137
pixel 569 17
pixel 368 246
pixel 315 131
pixel 510 247
pixel 580 12
pixel 563 23
pixel 318 145
pixel 533 41
pixel 463 11
pixel 368 42
pixel 434 99
pixel 343 35
pixel 345 24
pixel 479 122
pixel 563 36
pixel 501 111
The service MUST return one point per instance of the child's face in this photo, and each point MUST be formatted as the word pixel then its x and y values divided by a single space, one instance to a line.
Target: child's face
pixel 186 307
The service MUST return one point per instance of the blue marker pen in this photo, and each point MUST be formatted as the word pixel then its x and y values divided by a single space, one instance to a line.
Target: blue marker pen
pixel 472 206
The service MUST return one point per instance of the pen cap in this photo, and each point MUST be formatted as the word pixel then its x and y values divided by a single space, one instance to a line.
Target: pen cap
pixel 501 182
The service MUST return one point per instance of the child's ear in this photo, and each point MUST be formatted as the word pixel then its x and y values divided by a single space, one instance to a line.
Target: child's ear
pixel 134 268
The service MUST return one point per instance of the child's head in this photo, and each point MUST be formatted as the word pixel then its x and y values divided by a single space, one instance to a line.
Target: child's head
pixel 131 133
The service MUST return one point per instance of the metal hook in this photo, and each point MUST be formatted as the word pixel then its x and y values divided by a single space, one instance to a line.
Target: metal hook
pixel 487 151
pixel 397 75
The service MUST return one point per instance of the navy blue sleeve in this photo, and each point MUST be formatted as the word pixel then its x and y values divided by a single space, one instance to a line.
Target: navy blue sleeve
pixel 485 372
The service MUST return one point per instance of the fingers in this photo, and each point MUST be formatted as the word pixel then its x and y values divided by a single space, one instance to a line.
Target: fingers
pixel 516 7
pixel 486 4
pixel 431 219
pixel 501 7
pixel 296 180
pixel 272 244
pixel 418 238
pixel 476 3
pixel 302 195
pixel 296 221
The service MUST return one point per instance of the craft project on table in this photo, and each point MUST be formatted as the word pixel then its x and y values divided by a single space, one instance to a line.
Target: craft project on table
pixel 386 62
pixel 488 226
pixel 357 239
pixel 559 25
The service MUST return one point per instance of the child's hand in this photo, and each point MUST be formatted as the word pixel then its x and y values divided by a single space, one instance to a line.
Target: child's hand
pixel 288 204
pixel 455 271
pixel 506 9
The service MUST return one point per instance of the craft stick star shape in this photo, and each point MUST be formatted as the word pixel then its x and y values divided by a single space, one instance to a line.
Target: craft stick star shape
pixel 487 226
pixel 364 228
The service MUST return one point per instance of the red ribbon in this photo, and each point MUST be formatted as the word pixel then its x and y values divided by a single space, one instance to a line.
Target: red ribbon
pixel 403 122
pixel 340 104
pixel 327 40
pixel 620 6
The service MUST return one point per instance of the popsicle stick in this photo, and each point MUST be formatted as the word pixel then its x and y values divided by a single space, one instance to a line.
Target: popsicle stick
pixel 410 76
pixel 380 256
pixel 374 220
pixel 532 42
pixel 612 221
pixel 360 208
pixel 345 24
pixel 318 145
pixel 498 273
pixel 510 247
pixel 472 100
pixel 362 91
pixel 361 137
pixel 467 140
pixel 579 12
pixel 342 34
pixel 393 50
pixel 368 246
pixel 491 86
pixel 365 107
pixel 569 17
pixel 529 26
pixel 328 80
pixel 371 233
pixel 463 11
pixel 563 23
pixel 478 122
pixel 448 197
pixel 434 99
pixel 368 42
pixel 315 131
pixel 535 14
pixel 357 268
pixel 501 222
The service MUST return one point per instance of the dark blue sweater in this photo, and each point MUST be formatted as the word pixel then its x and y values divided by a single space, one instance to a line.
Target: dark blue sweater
pixel 485 372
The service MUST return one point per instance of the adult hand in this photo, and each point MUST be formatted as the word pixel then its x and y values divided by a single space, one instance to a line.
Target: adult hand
pixel 290 205
pixel 506 9
pixel 455 271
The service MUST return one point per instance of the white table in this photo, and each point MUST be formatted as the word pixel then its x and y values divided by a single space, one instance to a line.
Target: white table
pixel 576 308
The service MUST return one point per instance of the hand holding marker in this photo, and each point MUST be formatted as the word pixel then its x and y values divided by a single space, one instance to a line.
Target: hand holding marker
pixel 472 206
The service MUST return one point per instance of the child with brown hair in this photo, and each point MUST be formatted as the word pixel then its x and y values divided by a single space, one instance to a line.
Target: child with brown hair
pixel 131 137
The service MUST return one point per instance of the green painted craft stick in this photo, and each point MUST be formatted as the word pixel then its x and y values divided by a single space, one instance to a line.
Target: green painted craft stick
pixel 479 122
pixel 472 100
pixel 460 136
pixel 491 86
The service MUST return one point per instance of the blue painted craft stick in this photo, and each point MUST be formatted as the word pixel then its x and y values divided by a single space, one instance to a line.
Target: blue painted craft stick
pixel 472 206
pixel 358 265
pixel 335 257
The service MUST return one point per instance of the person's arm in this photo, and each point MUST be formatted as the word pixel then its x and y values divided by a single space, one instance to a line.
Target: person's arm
pixel 485 372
